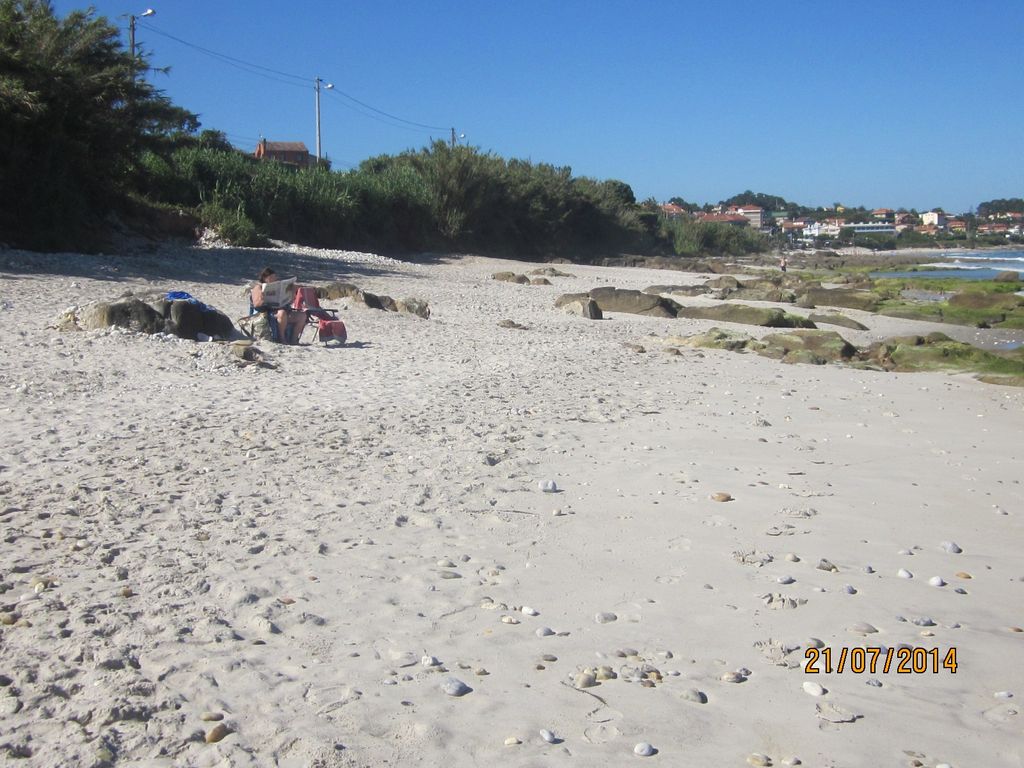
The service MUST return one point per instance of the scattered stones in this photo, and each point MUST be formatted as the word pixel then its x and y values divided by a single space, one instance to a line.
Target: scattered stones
pixel 643 749
pixel 430 661
pixel 509 620
pixel 849 589
pixel 825 565
pixel 936 581
pixel 544 632
pixel 785 580
pixel 605 673
pixel 605 617
pixel 528 611
pixel 755 558
pixel 903 573
pixel 211 717
pixel 776 600
pixel 455 687
pixel 548 486
pixel 759 760
pixel 732 677
pixel 951 547
pixel 721 496
pixel 512 741
pixel 792 557
pixel 963 575
pixel 548 736
pixel 814 689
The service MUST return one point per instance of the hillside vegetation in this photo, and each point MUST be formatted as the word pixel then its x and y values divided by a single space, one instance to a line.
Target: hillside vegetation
pixel 86 138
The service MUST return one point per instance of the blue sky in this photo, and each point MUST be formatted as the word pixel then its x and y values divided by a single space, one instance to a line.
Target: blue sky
pixel 898 104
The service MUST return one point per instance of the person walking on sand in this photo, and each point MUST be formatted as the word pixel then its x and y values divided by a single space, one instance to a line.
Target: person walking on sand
pixel 289 322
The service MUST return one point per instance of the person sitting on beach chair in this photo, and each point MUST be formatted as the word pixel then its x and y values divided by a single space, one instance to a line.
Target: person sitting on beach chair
pixel 274 297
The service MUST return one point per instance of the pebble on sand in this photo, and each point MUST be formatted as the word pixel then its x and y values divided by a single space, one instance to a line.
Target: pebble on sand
pixel 814 689
pixel 605 617
pixel 759 760
pixel 721 496
pixel 903 573
pixel 512 741
pixel 548 486
pixel 951 547
pixel 548 736
pixel 643 749
pixel 218 732
pixel 937 581
pixel 455 687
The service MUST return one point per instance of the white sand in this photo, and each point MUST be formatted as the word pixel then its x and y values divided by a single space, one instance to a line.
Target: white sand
pixel 270 545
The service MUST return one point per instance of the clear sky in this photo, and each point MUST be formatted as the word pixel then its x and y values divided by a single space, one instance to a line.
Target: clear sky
pixel 884 104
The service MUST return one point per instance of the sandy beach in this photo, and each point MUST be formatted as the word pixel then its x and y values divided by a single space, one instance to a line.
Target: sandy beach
pixel 455 543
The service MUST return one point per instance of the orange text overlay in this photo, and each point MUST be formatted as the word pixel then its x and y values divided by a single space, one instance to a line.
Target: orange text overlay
pixel 902 661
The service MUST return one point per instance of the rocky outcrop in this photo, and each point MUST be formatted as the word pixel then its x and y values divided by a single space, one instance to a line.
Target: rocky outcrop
pixel 152 313
pixel 633 302
pixel 678 290
pixel 713 338
pixel 834 318
pixel 817 347
pixel 768 317
pixel 550 272
pixel 1009 276
pixel 839 297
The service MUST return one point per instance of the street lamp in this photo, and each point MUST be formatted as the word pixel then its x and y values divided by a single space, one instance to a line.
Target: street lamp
pixel 327 86
pixel 131 26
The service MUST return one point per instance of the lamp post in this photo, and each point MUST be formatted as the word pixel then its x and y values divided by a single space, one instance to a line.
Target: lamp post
pixel 327 86
pixel 131 27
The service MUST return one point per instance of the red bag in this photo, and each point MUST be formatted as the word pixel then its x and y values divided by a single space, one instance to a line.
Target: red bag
pixel 331 330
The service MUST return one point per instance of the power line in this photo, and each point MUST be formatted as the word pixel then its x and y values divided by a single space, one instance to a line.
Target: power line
pixel 297 81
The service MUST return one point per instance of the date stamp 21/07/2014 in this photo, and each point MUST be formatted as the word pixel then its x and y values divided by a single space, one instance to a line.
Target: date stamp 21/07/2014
pixel 872 660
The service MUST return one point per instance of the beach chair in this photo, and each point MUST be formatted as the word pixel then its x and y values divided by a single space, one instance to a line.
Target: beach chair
pixel 327 327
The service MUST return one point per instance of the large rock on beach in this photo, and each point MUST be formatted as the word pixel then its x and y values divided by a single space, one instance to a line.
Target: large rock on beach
pixel 768 317
pixel 834 318
pixel 802 346
pixel 678 290
pixel 839 297
pixel 611 299
pixel 338 290
pixel 982 300
pixel 511 277
pixel 131 313
pixel 1009 276
pixel 579 304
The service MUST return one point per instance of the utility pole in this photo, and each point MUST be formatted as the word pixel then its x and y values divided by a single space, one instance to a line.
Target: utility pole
pixel 453 138
pixel 131 27
pixel 327 86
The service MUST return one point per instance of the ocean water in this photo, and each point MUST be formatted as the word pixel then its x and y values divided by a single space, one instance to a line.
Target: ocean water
pixel 968 265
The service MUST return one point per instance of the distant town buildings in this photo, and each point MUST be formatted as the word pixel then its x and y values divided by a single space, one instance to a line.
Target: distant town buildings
pixel 881 221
